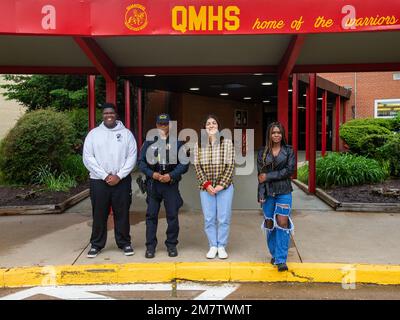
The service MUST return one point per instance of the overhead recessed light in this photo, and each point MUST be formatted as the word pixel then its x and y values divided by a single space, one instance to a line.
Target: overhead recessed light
pixel 149 75
pixel 266 101
pixel 258 74
pixel 224 94
pixel 194 89
pixel 290 90
pixel 304 95
pixel 247 98
pixel 267 83
pixel 319 98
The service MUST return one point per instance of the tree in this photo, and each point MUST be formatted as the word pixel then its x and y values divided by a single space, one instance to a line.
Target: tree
pixel 61 92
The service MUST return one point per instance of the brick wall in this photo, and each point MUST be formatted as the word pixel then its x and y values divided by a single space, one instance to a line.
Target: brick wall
pixel 366 88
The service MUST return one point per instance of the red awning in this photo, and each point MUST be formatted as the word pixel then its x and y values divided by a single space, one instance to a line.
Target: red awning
pixel 168 17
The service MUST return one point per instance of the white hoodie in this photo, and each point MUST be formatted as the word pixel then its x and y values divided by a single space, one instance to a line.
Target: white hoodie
pixel 109 151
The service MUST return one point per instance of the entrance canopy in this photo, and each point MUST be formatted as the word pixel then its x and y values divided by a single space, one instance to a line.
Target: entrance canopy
pixel 171 37
pixel 178 37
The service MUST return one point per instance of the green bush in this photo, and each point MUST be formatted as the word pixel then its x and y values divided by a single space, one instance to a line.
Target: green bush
pixel 369 145
pixel 302 173
pixel 337 169
pixel 80 120
pixel 391 152
pixel 355 137
pixel 73 166
pixel 386 123
pixel 396 122
pixel 42 137
pixel 52 181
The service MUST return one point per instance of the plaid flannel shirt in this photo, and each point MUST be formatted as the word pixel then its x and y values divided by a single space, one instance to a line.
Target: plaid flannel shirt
pixel 214 163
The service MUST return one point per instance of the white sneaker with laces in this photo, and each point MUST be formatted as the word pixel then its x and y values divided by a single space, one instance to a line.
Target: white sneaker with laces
pixel 222 253
pixel 212 253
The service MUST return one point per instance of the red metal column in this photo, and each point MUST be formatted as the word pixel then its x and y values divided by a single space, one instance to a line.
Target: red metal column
pixel 111 92
pixel 91 101
pixel 283 103
pixel 295 102
pixel 344 111
pixel 337 123
pixel 111 97
pixel 324 113
pixel 139 114
pixel 284 70
pixel 312 134
pixel 127 104
pixel 307 119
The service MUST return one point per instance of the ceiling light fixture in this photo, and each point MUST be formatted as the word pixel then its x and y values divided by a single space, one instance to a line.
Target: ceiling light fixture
pixel 247 98
pixel 224 94
pixel 266 101
pixel 258 74
pixel 267 83
pixel 194 89
pixel 290 90
pixel 149 75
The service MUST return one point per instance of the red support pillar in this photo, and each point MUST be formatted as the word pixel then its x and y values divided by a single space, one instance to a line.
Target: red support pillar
pixel 307 118
pixel 344 111
pixel 139 114
pixel 337 123
pixel 283 103
pixel 312 129
pixel 324 114
pixel 284 70
pixel 127 104
pixel 111 92
pixel 295 102
pixel 111 97
pixel 91 101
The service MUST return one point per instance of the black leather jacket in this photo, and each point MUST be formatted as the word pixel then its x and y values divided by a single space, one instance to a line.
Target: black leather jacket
pixel 278 170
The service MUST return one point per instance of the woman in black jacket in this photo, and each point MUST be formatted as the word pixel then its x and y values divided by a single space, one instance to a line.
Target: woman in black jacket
pixel 276 163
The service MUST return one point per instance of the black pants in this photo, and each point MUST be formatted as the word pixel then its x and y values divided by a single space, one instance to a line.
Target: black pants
pixel 119 197
pixel 157 192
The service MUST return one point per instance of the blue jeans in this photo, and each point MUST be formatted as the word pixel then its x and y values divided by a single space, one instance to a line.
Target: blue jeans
pixel 217 212
pixel 278 238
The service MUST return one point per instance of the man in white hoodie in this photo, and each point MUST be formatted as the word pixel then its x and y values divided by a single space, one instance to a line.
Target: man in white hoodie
pixel 110 154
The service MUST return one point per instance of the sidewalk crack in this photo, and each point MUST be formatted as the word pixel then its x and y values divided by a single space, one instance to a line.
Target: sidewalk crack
pixel 297 250
pixel 80 254
pixel 301 277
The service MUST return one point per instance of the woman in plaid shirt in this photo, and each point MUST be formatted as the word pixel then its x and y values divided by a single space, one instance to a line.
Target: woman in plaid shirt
pixel 214 164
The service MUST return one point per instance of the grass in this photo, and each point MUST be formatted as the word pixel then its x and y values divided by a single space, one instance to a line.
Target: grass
pixel 345 169
pixel 54 182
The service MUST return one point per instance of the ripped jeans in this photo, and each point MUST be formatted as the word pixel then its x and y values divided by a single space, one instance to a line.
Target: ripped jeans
pixel 278 238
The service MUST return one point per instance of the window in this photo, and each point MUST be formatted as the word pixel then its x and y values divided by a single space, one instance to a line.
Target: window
pixel 387 108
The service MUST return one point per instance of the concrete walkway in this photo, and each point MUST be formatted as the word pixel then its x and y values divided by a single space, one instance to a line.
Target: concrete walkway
pixel 321 236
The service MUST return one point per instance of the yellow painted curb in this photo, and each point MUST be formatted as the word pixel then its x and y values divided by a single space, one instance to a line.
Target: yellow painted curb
pixel 198 271
pixel 203 271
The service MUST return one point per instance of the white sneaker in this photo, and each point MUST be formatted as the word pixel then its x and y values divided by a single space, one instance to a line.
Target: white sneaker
pixel 222 253
pixel 212 253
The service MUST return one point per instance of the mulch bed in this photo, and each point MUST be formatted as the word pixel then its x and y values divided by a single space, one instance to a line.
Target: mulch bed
pixel 364 193
pixel 35 195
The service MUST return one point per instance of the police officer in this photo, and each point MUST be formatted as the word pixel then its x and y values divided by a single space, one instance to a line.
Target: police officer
pixel 159 162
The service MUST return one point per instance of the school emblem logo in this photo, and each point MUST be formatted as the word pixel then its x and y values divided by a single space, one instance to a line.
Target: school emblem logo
pixel 136 17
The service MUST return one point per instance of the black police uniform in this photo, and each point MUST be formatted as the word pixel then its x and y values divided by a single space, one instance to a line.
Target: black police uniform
pixel 158 191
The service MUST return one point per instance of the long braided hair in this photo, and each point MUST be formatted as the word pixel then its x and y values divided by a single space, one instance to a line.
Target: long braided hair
pixel 269 143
